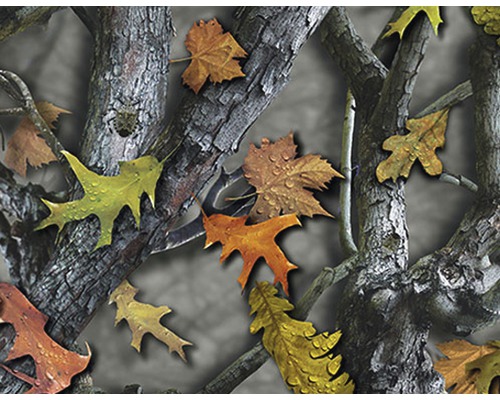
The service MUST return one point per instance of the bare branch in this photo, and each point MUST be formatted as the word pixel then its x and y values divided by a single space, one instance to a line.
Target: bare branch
pixel 363 70
pixel 345 228
pixel 458 94
pixel 195 228
pixel 16 19
pixel 253 359
pixel 458 180
pixel 19 92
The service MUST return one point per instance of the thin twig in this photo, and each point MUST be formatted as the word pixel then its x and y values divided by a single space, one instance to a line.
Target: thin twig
pixel 14 111
pixel 458 180
pixel 345 227
pixel 253 359
pixel 458 94
pixel 18 91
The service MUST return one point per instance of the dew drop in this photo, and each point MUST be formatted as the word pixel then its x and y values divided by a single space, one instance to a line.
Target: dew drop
pixel 285 156
pixel 266 197
pixel 272 157
pixel 304 390
pixel 276 172
pixel 37 382
pixel 293 381
pixel 289 183
pixel 260 211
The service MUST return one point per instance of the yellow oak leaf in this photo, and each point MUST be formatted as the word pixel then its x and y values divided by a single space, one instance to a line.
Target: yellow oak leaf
pixel 489 16
pixel 252 241
pixel 26 147
pixel 456 369
pixel 280 179
pixel 407 16
pixel 144 318
pixel 105 196
pixel 304 358
pixel 213 55
pixel 426 135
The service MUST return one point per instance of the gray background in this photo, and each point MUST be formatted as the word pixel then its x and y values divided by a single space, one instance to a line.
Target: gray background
pixel 209 309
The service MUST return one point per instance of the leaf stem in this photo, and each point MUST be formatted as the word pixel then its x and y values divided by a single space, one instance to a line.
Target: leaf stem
pixel 247 196
pixel 178 60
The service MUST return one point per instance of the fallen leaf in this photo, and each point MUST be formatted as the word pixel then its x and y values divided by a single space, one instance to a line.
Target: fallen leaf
pixel 487 368
pixel 105 196
pixel 426 135
pixel 407 16
pixel 280 179
pixel 144 318
pixel 212 55
pixel 54 365
pixel 489 16
pixel 304 358
pixel 26 147
pixel 459 353
pixel 252 241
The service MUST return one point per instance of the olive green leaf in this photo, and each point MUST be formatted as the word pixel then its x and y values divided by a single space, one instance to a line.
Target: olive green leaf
pixel 105 196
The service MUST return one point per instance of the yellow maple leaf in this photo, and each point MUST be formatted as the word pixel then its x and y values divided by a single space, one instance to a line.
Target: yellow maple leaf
pixel 458 353
pixel 213 55
pixel 489 16
pixel 280 179
pixel 407 16
pixel 144 318
pixel 105 196
pixel 304 358
pixel 426 135
pixel 26 147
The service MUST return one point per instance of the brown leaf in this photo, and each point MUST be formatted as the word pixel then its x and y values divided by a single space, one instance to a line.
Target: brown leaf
pixel 25 146
pixel 144 318
pixel 55 366
pixel 281 179
pixel 252 241
pixel 426 135
pixel 212 55
pixel 453 368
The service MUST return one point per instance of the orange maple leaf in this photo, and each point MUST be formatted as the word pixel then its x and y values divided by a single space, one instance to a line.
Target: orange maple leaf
pixel 212 55
pixel 252 241
pixel 55 366
pixel 281 179
pixel 25 146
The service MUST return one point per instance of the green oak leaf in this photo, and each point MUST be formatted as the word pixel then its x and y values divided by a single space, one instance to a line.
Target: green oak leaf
pixel 489 369
pixel 105 196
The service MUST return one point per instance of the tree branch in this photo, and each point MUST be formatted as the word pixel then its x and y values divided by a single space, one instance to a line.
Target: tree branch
pixel 458 94
pixel 195 228
pixel 363 70
pixel 458 180
pixel 19 92
pixel 345 228
pixel 459 281
pixel 16 19
pixel 253 359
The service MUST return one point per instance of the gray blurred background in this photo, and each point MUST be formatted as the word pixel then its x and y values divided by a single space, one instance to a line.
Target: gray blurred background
pixel 209 309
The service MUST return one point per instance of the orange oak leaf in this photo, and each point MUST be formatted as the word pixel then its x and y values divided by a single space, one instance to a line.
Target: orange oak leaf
pixel 212 55
pixel 26 147
pixel 55 366
pixel 252 241
pixel 281 179
pixel 458 354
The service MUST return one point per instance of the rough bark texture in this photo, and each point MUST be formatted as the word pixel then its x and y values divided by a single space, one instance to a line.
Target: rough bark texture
pixel 211 125
pixel 383 337
pixel 17 19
